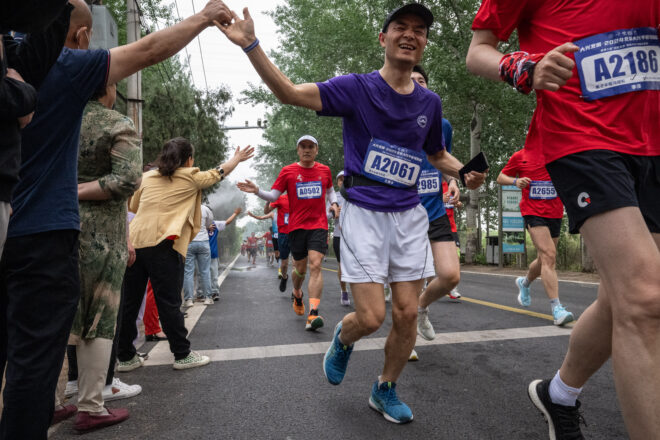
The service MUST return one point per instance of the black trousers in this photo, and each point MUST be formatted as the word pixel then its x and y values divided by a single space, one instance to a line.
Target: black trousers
pixel 164 266
pixel 39 293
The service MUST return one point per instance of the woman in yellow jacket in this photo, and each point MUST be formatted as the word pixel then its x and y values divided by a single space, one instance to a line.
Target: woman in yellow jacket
pixel 167 217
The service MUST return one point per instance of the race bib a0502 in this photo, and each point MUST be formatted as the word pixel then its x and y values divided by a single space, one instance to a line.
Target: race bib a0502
pixel 542 190
pixel 429 183
pixel 395 166
pixel 618 62
pixel 309 190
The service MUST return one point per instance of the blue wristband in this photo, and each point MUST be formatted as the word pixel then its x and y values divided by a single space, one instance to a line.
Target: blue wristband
pixel 251 46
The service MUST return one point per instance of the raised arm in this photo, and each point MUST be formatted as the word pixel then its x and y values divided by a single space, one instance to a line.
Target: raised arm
pixel 158 46
pixel 261 217
pixel 241 32
pixel 232 217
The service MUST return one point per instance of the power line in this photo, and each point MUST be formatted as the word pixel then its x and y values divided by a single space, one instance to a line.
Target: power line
pixel 201 55
pixel 186 48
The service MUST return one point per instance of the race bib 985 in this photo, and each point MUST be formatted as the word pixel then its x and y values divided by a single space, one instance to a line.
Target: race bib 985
pixel 429 183
pixel 392 165
pixel 618 62
pixel 309 190
pixel 542 190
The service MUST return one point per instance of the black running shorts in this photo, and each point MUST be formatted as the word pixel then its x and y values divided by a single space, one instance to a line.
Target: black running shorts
pixel 596 181
pixel 554 224
pixel 302 240
pixel 440 229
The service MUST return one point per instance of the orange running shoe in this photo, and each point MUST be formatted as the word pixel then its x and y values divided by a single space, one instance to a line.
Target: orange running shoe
pixel 314 321
pixel 298 304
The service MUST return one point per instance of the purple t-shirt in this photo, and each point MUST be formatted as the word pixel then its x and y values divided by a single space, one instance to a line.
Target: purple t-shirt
pixel 371 109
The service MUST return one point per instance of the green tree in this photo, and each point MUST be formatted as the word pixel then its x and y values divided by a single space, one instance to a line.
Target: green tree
pixel 344 39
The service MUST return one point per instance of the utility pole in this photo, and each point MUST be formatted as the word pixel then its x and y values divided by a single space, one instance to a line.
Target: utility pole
pixel 134 86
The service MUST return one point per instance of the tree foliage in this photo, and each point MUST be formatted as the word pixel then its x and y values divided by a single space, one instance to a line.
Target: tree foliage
pixel 172 105
pixel 320 40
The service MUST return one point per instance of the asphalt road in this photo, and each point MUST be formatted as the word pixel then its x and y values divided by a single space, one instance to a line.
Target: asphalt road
pixel 266 380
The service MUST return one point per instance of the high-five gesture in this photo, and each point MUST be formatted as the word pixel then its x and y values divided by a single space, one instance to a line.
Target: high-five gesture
pixel 243 155
pixel 248 186
pixel 239 156
pixel 239 31
pixel 216 11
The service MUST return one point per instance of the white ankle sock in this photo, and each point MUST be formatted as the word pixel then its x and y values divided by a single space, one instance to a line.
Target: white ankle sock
pixel 526 282
pixel 562 394
pixel 422 309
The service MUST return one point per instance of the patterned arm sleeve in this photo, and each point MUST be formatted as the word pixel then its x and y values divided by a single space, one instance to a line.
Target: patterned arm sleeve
pixel 126 158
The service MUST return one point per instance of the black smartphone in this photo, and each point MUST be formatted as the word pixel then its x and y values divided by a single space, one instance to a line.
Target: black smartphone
pixel 478 163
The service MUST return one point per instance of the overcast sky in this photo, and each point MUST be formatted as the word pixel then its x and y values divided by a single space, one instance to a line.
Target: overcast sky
pixel 226 64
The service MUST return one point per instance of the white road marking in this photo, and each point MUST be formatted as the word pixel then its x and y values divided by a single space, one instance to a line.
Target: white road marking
pixel 516 276
pixel 275 351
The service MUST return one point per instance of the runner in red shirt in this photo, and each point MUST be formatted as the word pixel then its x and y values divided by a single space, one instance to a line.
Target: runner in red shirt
pixel 252 248
pixel 594 67
pixel 542 212
pixel 306 182
pixel 270 252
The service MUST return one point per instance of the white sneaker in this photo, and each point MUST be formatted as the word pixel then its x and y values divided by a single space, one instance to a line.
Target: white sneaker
pixel 413 356
pixel 208 301
pixel 388 294
pixel 120 390
pixel 424 327
pixel 71 388
pixel 188 303
pixel 454 294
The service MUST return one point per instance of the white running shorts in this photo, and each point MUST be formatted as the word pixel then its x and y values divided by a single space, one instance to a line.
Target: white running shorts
pixel 384 247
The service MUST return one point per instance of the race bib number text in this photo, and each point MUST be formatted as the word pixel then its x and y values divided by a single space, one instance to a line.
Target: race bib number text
pixel 392 165
pixel 309 190
pixel 618 62
pixel 429 183
pixel 542 190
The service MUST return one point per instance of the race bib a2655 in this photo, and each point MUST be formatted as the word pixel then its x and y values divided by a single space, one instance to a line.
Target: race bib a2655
pixel 542 190
pixel 392 165
pixel 618 62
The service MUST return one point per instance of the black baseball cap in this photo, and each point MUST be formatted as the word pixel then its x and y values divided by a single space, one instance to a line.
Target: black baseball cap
pixel 411 8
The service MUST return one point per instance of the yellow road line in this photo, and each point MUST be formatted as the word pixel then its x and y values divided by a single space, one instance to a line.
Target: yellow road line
pixel 507 308
pixel 494 305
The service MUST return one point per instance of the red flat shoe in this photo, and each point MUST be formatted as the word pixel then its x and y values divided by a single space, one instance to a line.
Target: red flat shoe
pixel 86 421
pixel 64 413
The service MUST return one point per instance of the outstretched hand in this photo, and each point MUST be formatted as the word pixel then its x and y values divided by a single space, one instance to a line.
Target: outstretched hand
pixel 245 154
pixel 239 31
pixel 248 186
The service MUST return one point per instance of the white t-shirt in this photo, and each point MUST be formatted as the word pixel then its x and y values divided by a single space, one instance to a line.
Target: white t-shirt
pixel 207 221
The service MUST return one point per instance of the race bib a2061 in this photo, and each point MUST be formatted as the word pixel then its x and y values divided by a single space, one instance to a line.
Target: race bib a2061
pixel 392 165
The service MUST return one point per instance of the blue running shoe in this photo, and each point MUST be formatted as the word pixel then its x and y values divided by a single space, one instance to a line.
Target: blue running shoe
pixel 561 315
pixel 336 358
pixel 523 293
pixel 384 400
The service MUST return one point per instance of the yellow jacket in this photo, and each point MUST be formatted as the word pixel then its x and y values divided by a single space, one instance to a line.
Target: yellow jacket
pixel 165 208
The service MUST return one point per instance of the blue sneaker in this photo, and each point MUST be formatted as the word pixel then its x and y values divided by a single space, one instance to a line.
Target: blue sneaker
pixel 384 400
pixel 336 358
pixel 523 293
pixel 561 315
